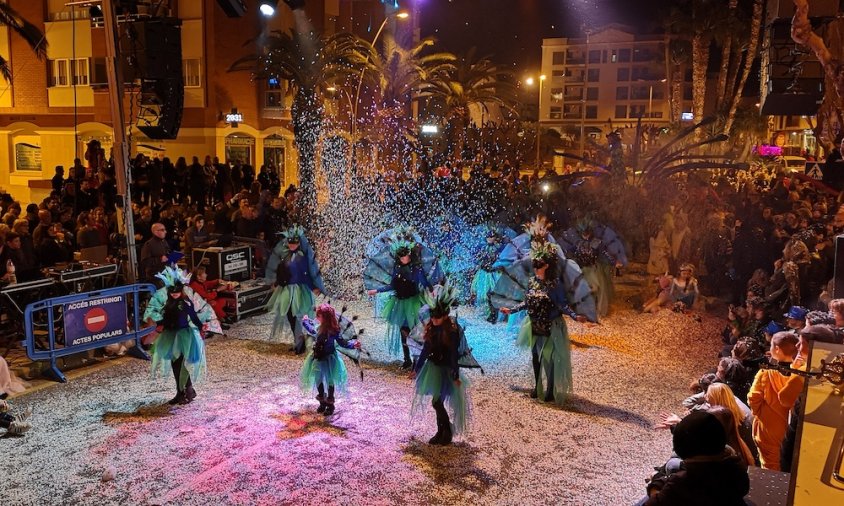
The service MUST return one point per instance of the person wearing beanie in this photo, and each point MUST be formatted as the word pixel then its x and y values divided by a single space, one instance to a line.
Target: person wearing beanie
pixel 711 472
pixel 772 396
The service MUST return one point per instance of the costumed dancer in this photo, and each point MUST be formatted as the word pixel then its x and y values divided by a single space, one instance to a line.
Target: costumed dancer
pixel 293 271
pixel 487 274
pixel 323 367
pixel 402 268
pixel 598 251
pixel 182 318
pixel 543 330
pixel 437 370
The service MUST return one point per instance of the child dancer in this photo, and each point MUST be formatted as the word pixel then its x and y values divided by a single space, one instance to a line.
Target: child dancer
pixel 323 367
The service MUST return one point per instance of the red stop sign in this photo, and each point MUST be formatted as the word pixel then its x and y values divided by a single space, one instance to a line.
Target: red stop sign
pixel 96 319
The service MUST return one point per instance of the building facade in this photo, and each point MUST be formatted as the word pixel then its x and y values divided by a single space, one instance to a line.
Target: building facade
pixel 53 108
pixel 608 79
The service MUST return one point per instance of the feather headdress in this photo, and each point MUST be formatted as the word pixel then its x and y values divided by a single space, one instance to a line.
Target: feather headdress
pixel 543 251
pixel 440 300
pixel 401 248
pixel 538 228
pixel 292 234
pixel 173 276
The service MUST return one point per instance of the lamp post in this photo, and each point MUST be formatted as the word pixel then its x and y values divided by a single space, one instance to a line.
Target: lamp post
pixel 399 15
pixel 530 82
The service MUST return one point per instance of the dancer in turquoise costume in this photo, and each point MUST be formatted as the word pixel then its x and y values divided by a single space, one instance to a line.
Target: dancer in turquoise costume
pixel 487 274
pixel 293 271
pixel 323 368
pixel 599 252
pixel 544 331
pixel 402 268
pixel 181 318
pixel 437 370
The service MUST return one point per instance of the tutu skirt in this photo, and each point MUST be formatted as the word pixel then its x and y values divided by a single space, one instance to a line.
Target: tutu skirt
pixel 592 275
pixel 296 298
pixel 400 313
pixel 554 353
pixel 330 372
pixel 482 284
pixel 172 344
pixel 434 382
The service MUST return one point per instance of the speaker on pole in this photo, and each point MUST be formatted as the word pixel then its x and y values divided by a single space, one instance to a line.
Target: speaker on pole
pixel 161 103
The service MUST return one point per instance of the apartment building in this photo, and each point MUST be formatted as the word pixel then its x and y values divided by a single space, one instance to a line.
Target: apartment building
pixel 53 108
pixel 610 78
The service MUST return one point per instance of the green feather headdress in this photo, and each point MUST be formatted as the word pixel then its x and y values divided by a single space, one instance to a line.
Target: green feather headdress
pixel 440 300
pixel 172 275
pixel 401 248
pixel 292 234
pixel 543 251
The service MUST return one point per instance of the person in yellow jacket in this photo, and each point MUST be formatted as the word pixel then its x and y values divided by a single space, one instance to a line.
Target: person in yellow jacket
pixel 772 396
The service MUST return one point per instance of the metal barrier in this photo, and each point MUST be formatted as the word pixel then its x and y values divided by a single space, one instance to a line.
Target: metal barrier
pixel 88 321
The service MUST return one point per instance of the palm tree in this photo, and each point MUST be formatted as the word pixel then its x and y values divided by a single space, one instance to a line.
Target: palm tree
pixel 10 18
pixel 680 53
pixel 472 82
pixel 750 55
pixel 309 62
pixel 396 78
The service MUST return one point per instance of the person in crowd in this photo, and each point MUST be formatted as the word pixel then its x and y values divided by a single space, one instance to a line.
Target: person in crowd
pixel 276 220
pixel 209 290
pixel 795 318
pixel 740 433
pixel 323 368
pixel 178 341
pixel 143 225
pixel 14 265
pixel 45 219
pixel 87 235
pixel 198 189
pixel 711 473
pixel 58 181
pixel 28 249
pixel 296 278
pixel 196 236
pixel 14 425
pixel 247 224
pixel 54 248
pixel 544 331
pixel 154 253
pixel 771 397
pixel 487 274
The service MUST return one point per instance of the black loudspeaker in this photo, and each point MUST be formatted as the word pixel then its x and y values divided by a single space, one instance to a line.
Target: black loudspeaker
pixel 794 79
pixel 233 8
pixel 161 104
pixel 152 49
pixel 838 280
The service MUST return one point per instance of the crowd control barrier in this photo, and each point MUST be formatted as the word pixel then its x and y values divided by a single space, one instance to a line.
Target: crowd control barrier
pixel 70 324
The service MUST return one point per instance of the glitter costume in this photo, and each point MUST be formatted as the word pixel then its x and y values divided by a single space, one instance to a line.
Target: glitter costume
pixel 180 316
pixel 293 269
pixel 487 273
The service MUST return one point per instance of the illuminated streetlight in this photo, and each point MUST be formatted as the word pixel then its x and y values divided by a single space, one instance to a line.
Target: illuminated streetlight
pixel 268 7
pixel 529 81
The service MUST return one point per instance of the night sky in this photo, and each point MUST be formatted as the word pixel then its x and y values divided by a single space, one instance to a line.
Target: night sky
pixel 511 31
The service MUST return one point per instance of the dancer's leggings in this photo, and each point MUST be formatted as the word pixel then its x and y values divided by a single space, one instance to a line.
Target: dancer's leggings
pixel 178 370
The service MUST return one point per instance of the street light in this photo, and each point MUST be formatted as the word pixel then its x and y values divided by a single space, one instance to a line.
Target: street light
pixel 651 98
pixel 529 81
pixel 268 7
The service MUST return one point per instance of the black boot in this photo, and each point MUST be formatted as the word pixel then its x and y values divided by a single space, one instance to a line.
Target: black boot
pixel 329 402
pixel 408 363
pixel 549 392
pixel 321 398
pixel 177 372
pixel 493 314
pixel 443 436
pixel 537 375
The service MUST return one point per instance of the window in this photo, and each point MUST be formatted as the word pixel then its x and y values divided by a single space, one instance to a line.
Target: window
pixel 595 56
pixel 591 111
pixel 574 93
pixel 558 73
pixel 556 112
pixel 558 58
pixel 637 111
pixel 80 72
pixel 275 93
pixel 190 73
pixel 624 55
pixel 621 111
pixel 557 94
pixel 621 93
pixel 591 93
pixel 614 56
pixel 65 72
pixel 593 76
pixel 623 75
